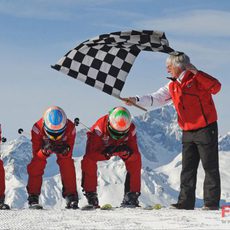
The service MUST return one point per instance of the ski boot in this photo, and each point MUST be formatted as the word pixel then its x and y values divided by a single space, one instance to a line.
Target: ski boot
pixel 210 208
pixel 3 206
pixel 131 200
pixel 92 199
pixel 181 206
pixel 33 202
pixel 71 201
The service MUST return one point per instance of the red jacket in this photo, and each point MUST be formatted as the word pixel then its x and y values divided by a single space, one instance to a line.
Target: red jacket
pixel 99 138
pixel 2 172
pixel 0 134
pixel 39 136
pixel 193 100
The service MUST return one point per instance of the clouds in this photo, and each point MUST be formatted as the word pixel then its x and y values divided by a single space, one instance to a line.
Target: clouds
pixel 31 9
pixel 202 34
pixel 212 23
pixel 35 33
pixel 48 9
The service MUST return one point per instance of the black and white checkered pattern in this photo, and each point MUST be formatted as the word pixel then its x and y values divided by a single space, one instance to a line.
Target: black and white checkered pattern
pixel 104 62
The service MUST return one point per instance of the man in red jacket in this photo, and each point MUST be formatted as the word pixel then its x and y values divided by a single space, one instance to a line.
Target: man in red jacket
pixel 112 135
pixel 191 92
pixel 53 133
pixel 3 206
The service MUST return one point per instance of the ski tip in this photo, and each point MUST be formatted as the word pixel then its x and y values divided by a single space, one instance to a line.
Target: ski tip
pixel 36 207
pixel 89 207
pixel 153 207
pixel 106 207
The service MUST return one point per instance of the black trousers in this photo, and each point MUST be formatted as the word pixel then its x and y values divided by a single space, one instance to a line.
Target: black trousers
pixel 201 144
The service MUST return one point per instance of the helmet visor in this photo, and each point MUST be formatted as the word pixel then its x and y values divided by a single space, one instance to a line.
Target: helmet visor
pixel 54 136
pixel 116 134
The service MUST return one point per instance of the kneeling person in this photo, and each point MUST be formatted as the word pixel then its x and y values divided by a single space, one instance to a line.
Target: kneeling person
pixel 112 135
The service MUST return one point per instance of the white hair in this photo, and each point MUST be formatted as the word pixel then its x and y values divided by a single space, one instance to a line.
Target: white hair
pixel 181 60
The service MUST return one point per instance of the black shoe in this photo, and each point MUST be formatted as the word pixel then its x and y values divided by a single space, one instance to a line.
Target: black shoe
pixel 4 206
pixel 181 206
pixel 131 199
pixel 92 199
pixel 72 201
pixel 33 199
pixel 208 208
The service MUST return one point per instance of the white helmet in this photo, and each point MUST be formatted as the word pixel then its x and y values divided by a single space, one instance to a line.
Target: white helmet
pixel 119 122
pixel 54 120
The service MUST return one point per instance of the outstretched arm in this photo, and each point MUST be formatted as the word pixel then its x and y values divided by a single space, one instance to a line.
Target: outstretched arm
pixel 157 99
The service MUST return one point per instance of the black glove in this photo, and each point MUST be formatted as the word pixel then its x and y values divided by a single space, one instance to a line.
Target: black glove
pixel 108 151
pixel 124 148
pixel 47 148
pixel 61 148
pixel 53 147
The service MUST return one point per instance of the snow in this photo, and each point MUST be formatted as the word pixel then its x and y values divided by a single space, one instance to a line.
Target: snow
pixel 116 219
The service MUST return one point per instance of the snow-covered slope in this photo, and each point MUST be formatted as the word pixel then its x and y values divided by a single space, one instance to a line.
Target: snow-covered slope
pixel 118 219
pixel 159 141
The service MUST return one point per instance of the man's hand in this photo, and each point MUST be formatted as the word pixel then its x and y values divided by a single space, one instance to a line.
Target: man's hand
pixel 55 147
pixel 47 148
pixel 130 100
pixel 120 150
pixel 61 148
pixel 124 149
pixel 108 151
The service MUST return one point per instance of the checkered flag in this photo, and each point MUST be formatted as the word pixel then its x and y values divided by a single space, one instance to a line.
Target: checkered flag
pixel 104 62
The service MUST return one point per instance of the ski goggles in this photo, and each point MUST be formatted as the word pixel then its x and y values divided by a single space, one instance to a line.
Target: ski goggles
pixel 117 134
pixel 54 136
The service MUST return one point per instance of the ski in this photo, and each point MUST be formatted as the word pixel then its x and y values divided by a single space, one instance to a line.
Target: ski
pixel 4 207
pixel 148 207
pixel 153 207
pixel 89 207
pixel 107 207
pixel 35 206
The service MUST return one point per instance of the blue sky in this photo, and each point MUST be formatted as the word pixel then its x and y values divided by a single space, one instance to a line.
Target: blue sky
pixel 36 33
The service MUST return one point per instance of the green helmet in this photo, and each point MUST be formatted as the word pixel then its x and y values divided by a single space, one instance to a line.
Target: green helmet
pixel 119 122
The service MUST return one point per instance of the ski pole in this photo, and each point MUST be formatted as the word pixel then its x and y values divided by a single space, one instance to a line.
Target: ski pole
pixel 77 122
pixel 22 132
pixel 3 140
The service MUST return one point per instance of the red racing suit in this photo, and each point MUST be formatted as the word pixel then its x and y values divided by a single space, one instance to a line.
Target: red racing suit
pixel 193 101
pixel 98 140
pixel 66 163
pixel 2 172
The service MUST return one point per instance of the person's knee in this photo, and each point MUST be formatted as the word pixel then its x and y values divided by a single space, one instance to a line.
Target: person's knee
pixel 36 167
pixel 88 163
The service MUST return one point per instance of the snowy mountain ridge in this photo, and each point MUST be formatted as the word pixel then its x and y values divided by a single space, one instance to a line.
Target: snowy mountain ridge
pixel 159 143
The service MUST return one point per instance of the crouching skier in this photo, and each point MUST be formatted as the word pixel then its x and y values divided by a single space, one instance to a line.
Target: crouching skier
pixel 3 206
pixel 53 133
pixel 112 135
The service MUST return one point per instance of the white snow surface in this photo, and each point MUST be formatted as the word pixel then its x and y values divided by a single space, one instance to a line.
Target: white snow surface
pixel 159 143
pixel 117 219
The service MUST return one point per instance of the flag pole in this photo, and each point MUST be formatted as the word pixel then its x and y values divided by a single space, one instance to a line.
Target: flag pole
pixel 134 104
